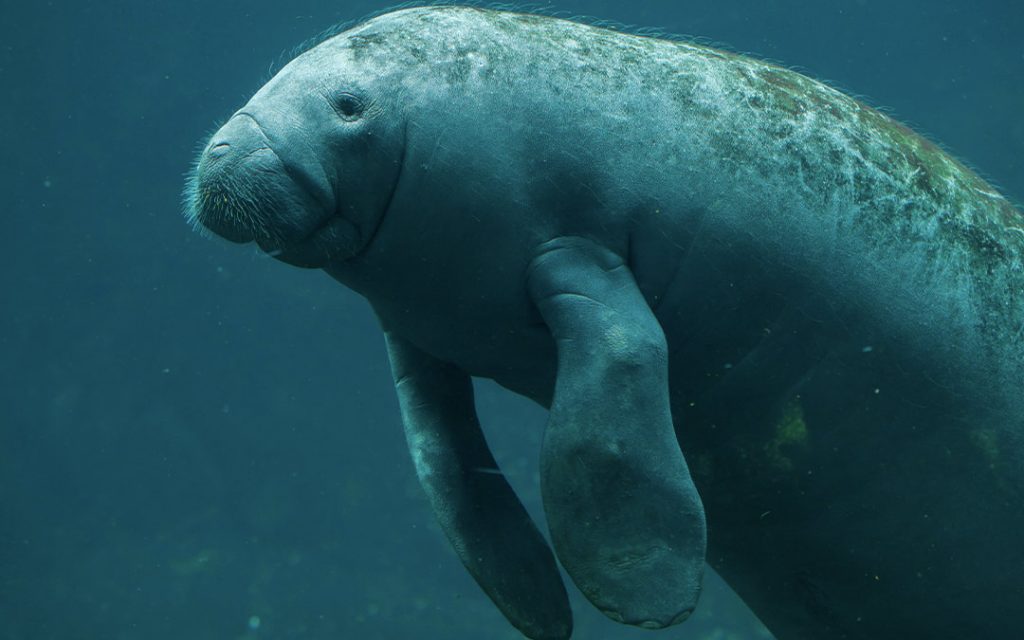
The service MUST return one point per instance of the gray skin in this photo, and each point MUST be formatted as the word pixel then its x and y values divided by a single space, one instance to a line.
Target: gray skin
pixel 658 240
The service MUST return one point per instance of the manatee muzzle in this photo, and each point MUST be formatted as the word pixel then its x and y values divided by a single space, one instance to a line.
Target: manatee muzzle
pixel 243 191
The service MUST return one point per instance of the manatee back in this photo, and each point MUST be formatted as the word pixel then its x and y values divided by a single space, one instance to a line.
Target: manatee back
pixel 671 134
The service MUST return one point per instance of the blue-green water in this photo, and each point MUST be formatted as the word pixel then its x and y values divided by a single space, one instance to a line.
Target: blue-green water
pixel 198 442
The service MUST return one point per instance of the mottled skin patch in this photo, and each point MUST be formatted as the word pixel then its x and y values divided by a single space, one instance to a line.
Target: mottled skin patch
pixel 790 241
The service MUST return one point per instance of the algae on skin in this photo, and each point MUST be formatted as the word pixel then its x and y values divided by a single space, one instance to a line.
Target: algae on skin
pixel 790 433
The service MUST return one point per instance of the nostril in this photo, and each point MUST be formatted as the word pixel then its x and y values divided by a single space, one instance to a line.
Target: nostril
pixel 219 149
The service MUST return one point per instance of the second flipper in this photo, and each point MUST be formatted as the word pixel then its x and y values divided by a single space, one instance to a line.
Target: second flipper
pixel 487 525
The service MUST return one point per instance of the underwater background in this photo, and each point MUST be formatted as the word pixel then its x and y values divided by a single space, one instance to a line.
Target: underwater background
pixel 199 442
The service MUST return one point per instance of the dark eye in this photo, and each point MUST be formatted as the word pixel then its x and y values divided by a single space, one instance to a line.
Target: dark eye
pixel 348 106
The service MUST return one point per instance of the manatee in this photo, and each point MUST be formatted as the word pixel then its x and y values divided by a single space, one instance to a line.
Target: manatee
pixel 777 331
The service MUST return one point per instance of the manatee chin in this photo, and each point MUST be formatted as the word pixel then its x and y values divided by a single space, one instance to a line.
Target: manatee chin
pixel 242 190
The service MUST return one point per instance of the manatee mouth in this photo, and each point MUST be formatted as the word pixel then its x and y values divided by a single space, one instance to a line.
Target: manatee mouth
pixel 332 238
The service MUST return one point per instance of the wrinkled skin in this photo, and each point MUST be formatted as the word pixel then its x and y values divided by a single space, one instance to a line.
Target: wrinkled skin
pixel 651 237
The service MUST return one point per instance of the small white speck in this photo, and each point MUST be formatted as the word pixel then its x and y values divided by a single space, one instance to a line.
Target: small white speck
pixel 254 622
pixel 47 183
pixel 867 349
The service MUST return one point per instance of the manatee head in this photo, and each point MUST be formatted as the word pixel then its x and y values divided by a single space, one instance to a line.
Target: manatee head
pixel 307 168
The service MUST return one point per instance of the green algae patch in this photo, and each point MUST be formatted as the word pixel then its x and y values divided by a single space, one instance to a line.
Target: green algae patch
pixel 790 436
pixel 195 564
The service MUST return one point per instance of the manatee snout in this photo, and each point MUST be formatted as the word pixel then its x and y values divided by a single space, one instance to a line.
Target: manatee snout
pixel 243 191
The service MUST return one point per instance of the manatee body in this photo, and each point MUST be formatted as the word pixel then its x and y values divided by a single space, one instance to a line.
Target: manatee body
pixel 658 240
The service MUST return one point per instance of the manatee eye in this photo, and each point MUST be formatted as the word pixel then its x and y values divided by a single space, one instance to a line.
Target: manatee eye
pixel 348 106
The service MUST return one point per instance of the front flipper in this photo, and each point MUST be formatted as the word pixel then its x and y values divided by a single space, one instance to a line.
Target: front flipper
pixel 477 509
pixel 625 517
